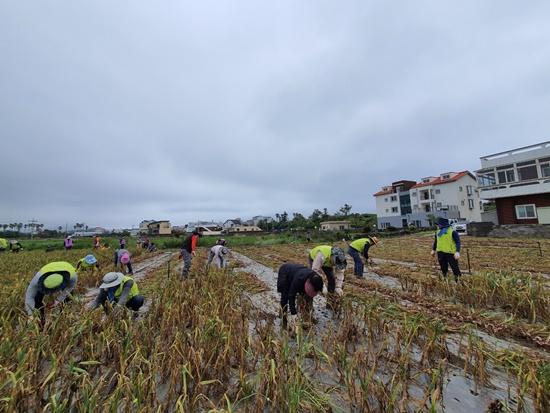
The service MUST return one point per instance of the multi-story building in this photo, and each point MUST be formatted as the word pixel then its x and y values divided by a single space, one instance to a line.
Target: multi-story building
pixel 518 181
pixel 449 195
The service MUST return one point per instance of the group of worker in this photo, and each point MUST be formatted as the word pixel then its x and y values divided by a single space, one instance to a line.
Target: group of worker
pixel 61 277
pixel 329 262
pixel 326 262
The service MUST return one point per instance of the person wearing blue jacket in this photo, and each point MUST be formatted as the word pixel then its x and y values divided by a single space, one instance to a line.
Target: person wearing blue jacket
pixel 447 245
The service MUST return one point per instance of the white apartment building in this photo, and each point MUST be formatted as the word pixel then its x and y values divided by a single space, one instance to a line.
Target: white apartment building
pixel 449 195
pixel 454 192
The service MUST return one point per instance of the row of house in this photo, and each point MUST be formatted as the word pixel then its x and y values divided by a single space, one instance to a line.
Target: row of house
pixel 516 181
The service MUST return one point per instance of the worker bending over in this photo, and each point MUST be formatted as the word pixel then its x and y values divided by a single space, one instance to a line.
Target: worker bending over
pixel 55 277
pixel 294 279
pixel 123 258
pixel 360 247
pixel 323 260
pixel 447 245
pixel 218 253
pixel 119 289
pixel 89 262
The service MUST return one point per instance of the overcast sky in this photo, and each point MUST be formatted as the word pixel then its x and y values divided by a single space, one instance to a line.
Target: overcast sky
pixel 116 111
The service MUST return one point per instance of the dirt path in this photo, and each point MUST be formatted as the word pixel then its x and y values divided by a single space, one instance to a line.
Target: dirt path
pixel 460 392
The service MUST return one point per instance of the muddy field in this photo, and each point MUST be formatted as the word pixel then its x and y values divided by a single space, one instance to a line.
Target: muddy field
pixel 401 338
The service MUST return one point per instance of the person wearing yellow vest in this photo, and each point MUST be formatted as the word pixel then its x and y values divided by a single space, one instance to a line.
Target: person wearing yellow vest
pixel 3 244
pixel 119 289
pixel 447 246
pixel 357 248
pixel 59 276
pixel 89 262
pixel 323 259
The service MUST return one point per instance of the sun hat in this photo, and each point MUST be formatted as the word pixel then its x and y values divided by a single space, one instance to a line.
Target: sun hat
pixel 125 258
pixel 53 281
pixel 111 279
pixel 313 285
pixel 374 239
pixel 339 258
pixel 90 259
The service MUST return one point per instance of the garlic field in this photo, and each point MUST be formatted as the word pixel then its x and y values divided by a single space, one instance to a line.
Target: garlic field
pixel 401 339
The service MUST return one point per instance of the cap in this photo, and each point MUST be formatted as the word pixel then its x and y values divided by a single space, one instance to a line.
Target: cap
pixel 53 281
pixel 111 279
pixel 125 258
pixel 313 285
pixel 90 259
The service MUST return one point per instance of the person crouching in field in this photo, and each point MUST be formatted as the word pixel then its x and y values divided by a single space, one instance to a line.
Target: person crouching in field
pixel 123 258
pixel 55 277
pixel 218 253
pixel 447 245
pixel 293 280
pixel 89 262
pixel 360 247
pixel 119 289
pixel 15 246
pixel 323 260
pixel 188 251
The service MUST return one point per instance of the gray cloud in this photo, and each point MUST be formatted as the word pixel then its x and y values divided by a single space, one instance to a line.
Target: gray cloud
pixel 115 112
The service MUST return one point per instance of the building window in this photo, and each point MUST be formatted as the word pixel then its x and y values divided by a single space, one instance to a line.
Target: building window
pixel 506 174
pixel 545 167
pixel 527 171
pixel 486 179
pixel 414 193
pixel 469 189
pixel 528 211
pixel 437 191
pixel 394 209
pixel 462 202
pixel 471 203
pixel 460 188
pixel 386 199
pixel 387 210
pixel 438 205
pixel 446 176
pixel 393 198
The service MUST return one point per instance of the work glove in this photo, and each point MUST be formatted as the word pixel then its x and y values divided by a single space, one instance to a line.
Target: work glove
pixel 432 253
pixel 339 292
pixel 457 255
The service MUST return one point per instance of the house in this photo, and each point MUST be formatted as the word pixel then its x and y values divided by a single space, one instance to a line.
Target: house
pixel 334 225
pixel 206 228
pixel 159 228
pixel 230 223
pixel 449 195
pixel 240 229
pixel 260 218
pixel 518 181
pixel 144 226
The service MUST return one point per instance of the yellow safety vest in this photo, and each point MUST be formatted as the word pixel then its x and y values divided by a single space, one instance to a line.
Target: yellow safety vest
pixel 445 242
pixel 359 244
pixel 326 250
pixel 133 291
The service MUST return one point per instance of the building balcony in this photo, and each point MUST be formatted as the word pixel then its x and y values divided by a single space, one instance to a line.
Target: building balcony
pixel 531 187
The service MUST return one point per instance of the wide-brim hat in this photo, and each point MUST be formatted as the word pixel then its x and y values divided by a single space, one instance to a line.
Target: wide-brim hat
pixel 111 279
pixel 374 240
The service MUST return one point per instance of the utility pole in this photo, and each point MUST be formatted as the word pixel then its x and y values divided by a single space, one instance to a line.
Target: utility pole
pixel 31 224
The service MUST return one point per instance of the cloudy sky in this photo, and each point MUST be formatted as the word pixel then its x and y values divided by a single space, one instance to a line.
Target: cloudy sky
pixel 116 111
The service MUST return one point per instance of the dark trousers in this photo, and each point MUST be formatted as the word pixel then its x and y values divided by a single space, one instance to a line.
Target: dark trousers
pixel 39 305
pixel 446 260
pixel 358 262
pixel 329 272
pixel 135 303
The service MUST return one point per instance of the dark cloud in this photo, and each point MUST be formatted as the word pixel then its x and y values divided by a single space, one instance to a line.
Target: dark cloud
pixel 115 112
